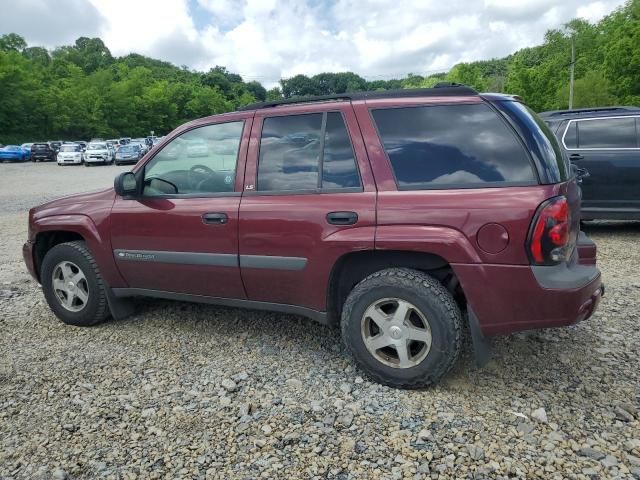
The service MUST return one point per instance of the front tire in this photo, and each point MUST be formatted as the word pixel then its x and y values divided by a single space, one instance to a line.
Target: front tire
pixel 73 286
pixel 402 327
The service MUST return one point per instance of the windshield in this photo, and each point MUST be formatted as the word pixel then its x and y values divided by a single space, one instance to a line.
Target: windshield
pixel 97 146
pixel 12 148
pixel 128 148
pixel 69 148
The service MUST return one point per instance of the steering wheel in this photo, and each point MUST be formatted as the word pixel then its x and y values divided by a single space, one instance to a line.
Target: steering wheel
pixel 198 174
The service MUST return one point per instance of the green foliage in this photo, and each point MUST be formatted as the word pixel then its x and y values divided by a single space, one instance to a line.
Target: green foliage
pixel 12 42
pixel 81 90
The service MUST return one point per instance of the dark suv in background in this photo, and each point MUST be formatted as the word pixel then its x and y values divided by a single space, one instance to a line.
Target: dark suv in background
pixel 399 216
pixel 42 152
pixel 606 143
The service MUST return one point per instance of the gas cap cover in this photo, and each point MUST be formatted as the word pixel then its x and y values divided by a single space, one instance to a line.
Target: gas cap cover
pixel 492 238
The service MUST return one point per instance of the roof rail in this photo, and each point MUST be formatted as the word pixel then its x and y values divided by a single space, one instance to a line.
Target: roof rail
pixel 443 89
pixel 554 113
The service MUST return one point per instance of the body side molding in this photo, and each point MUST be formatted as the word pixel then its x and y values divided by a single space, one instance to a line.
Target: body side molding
pixel 269 262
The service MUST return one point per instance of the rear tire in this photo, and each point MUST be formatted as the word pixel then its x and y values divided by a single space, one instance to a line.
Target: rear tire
pixel 73 286
pixel 416 336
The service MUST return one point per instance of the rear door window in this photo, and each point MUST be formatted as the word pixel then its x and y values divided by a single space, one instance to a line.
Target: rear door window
pixel 448 146
pixel 607 133
pixel 306 152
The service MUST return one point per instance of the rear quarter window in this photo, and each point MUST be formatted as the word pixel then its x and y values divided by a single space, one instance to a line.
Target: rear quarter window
pixel 452 146
pixel 607 133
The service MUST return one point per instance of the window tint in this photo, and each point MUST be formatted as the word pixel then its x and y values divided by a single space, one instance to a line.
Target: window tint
pixel 607 133
pixel 444 145
pixel 338 165
pixel 200 161
pixel 291 148
pixel 571 136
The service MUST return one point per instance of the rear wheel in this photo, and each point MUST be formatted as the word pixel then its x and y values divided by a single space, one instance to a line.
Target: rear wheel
pixel 73 286
pixel 402 327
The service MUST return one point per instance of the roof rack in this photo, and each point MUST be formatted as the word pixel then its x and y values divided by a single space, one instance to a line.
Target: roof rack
pixel 554 113
pixel 443 89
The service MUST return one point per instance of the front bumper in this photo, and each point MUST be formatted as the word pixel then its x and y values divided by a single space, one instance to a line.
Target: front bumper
pixel 96 160
pixel 69 161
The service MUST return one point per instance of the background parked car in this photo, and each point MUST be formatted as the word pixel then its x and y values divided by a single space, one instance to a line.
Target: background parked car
pixel 143 144
pixel 606 143
pixel 70 154
pixel 128 154
pixel 14 153
pixel 55 145
pixel 82 143
pixel 114 143
pixel 42 152
pixel 27 146
pixel 97 152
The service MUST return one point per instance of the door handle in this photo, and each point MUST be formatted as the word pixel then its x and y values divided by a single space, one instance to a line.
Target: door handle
pixel 576 156
pixel 342 218
pixel 215 218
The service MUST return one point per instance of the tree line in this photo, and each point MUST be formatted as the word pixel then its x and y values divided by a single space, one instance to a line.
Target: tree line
pixel 81 91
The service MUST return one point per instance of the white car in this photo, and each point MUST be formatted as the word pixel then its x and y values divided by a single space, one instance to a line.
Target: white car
pixel 97 152
pixel 70 154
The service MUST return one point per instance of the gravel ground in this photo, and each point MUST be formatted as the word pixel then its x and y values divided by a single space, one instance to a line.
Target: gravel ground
pixel 195 391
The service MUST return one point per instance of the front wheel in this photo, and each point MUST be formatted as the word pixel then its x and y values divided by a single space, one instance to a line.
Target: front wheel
pixel 73 286
pixel 402 327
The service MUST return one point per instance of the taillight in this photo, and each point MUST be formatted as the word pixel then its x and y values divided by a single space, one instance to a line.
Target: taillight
pixel 551 240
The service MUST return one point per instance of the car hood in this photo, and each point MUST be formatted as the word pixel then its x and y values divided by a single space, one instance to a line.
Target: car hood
pixel 79 203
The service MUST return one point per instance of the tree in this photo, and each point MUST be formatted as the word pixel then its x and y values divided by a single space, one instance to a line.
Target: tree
pixel 592 90
pixel 12 42
pixel 257 90
pixel 299 86
pixel 37 55
pixel 89 54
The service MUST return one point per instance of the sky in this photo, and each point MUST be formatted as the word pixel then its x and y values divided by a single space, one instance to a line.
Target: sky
pixel 266 40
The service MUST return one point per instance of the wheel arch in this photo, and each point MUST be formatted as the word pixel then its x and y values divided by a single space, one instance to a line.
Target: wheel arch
pixel 353 267
pixel 50 231
pixel 46 240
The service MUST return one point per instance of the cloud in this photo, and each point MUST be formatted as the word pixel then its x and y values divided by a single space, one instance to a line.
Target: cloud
pixel 50 23
pixel 266 40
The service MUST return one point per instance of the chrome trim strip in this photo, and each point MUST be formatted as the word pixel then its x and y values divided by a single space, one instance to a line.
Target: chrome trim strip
pixel 184 258
pixel 269 262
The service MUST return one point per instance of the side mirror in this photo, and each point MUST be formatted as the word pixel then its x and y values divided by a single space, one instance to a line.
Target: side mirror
pixel 126 184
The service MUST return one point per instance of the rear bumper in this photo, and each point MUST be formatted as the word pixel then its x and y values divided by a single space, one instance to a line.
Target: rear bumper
pixel 27 254
pixel 512 298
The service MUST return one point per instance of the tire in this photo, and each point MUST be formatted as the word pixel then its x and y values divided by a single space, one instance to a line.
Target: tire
pixel 433 308
pixel 76 257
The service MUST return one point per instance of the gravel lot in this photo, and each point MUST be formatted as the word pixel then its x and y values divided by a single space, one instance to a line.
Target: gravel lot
pixel 195 391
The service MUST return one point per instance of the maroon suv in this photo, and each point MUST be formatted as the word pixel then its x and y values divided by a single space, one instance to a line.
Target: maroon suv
pixel 401 216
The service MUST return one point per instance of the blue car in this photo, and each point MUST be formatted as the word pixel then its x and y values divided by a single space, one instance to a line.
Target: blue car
pixel 14 153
